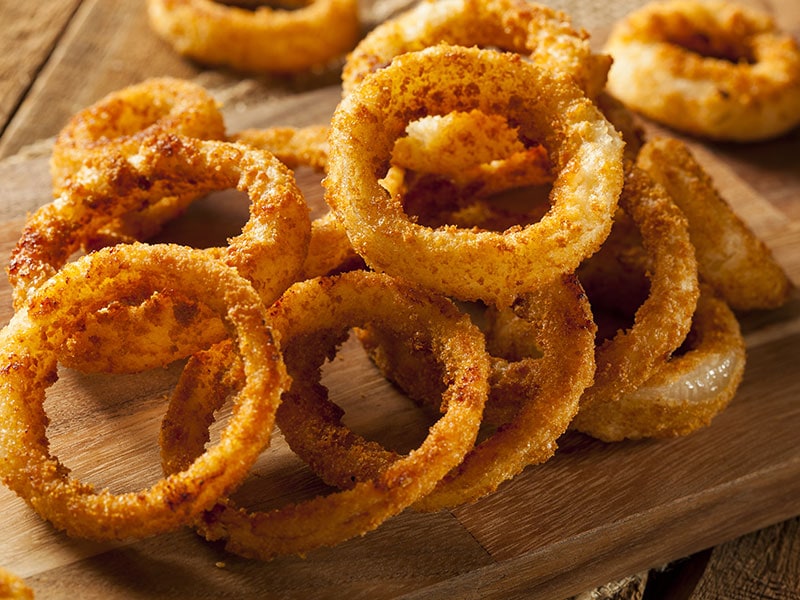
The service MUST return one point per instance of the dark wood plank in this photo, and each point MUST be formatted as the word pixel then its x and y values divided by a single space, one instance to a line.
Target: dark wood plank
pixel 29 33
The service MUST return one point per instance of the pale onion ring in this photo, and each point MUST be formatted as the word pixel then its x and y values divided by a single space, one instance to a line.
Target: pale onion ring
pixel 312 318
pixel 736 262
pixel 584 148
pixel 30 344
pixel 713 69
pixel 259 40
pixel 543 34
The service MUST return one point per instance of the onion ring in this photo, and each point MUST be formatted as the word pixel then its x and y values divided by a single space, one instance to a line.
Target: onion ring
pixel 30 344
pixel 329 249
pixel 532 398
pixel 663 320
pixel 585 150
pixel 13 587
pixel 541 33
pixel 685 392
pixel 731 257
pixel 269 252
pixel 118 123
pixel 469 147
pixel 295 146
pixel 263 39
pixel 318 313
pixel 713 69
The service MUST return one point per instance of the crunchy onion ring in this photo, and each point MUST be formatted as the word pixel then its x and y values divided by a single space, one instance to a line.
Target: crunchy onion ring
pixel 539 32
pixel 312 318
pixel 118 123
pixel 263 39
pixel 730 256
pixel 295 146
pixel 685 392
pixel 269 252
pixel 585 150
pixel 663 320
pixel 471 147
pixel 30 344
pixel 713 69
pixel 532 399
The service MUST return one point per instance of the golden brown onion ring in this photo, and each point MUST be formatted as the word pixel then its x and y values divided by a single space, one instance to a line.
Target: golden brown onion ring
pixel 29 346
pixel 543 34
pixel 295 146
pixel 329 249
pixel 532 399
pixel 118 123
pixel 269 252
pixel 312 318
pixel 685 392
pixel 714 69
pixel 470 149
pixel 730 256
pixel 264 39
pixel 13 587
pixel 663 320
pixel 494 267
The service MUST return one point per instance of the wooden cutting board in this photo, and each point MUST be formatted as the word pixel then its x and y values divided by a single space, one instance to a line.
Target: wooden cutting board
pixel 594 512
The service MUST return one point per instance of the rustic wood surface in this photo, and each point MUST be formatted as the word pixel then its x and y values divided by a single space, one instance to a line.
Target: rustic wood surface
pixel 713 515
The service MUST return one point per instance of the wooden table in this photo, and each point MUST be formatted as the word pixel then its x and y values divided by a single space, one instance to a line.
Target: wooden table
pixel 720 507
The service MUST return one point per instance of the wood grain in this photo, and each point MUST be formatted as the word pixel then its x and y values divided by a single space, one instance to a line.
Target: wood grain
pixel 765 564
pixel 594 513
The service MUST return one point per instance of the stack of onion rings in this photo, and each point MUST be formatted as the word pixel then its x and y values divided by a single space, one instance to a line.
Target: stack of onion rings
pixel 327 308
pixel 270 251
pixel 30 345
pixel 117 124
pixel 530 116
pixel 532 399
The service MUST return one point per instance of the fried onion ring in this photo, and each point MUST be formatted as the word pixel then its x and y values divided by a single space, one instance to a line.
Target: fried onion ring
pixel 532 398
pixel 13 587
pixel 312 318
pixel 295 146
pixel 584 148
pixel 118 123
pixel 685 392
pixel 269 252
pixel 260 40
pixel 713 69
pixel 329 249
pixel 543 34
pixel 730 256
pixel 30 344
pixel 663 320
